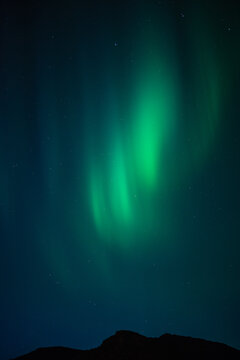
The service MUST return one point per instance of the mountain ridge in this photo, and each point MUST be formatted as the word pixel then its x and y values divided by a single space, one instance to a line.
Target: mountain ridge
pixel 129 345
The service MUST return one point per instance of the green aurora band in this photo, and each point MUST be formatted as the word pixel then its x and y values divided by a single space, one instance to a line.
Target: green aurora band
pixel 141 153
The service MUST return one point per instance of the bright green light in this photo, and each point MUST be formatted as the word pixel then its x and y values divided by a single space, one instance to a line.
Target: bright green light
pixel 152 124
pixel 119 190
pixel 141 154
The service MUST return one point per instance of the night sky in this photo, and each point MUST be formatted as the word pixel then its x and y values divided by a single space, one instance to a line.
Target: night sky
pixel 120 171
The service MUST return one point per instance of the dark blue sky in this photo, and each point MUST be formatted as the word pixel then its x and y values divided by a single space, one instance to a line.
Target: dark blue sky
pixel 120 171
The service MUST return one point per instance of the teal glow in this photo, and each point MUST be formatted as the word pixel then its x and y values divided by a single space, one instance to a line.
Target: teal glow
pixel 119 196
pixel 119 191
pixel 133 168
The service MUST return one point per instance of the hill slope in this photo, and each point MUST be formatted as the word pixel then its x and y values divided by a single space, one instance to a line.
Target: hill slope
pixel 127 345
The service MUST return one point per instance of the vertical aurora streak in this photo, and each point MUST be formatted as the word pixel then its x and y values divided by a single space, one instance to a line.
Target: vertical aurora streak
pixel 137 163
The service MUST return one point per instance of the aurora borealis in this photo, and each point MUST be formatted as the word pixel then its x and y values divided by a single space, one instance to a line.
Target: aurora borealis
pixel 134 170
pixel 119 190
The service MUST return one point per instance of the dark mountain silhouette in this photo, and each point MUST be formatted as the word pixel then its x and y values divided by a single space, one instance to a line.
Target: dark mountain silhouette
pixel 127 345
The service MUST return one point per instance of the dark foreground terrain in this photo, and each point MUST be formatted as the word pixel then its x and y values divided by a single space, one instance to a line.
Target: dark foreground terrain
pixel 127 345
